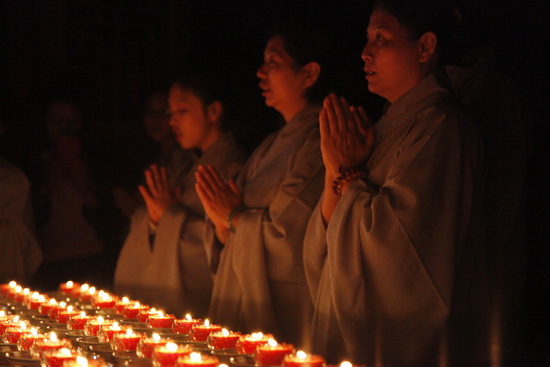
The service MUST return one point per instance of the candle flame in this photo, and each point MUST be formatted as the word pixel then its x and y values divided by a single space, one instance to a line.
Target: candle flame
pixel 35 295
pixel 82 314
pixel 195 357
pixel 65 351
pixel 26 291
pixel 272 342
pixel 129 332
pixel 125 299
pixel 156 337
pixel 100 319
pixel 2 313
pixel 18 289
pixel 23 325
pixel 115 326
pixel 34 332
pixel 301 354
pixel 53 301
pixel 171 347
pixel 42 298
pixel 16 318
pixel 346 364
pixel 137 304
pixel 188 317
pixel 222 365
pixel 82 361
pixel 53 336
pixel 84 287
pixel 62 304
pixel 160 314
pixel 225 332
pixel 69 284
pixel 206 322
pixel 12 284
pixel 91 290
pixel 258 335
pixel 70 309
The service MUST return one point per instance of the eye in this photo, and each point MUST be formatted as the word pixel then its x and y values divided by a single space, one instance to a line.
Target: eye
pixel 378 37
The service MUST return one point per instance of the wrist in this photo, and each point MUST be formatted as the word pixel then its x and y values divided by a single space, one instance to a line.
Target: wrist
pixel 233 216
pixel 347 176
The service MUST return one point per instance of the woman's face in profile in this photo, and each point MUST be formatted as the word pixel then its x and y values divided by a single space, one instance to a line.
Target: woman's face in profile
pixel 281 80
pixel 188 119
pixel 392 60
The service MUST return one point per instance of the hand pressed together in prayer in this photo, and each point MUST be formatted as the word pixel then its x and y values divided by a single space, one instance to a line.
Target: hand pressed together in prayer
pixel 347 135
pixel 218 197
pixel 158 195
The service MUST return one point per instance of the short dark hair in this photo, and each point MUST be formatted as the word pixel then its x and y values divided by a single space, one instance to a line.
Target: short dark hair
pixel 306 44
pixel 421 16
pixel 209 86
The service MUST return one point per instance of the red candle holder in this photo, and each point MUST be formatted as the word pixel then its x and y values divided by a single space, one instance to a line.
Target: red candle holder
pixel 183 326
pixel 56 358
pixel 247 344
pixel 45 307
pixel 69 287
pixel 54 310
pixel 128 341
pixel 106 332
pixel 168 354
pixel 6 287
pixel 146 345
pixel 78 321
pixel 272 353
pixel 26 340
pixel 12 322
pixel 143 315
pixel 64 315
pixel 160 321
pixel 121 304
pixel 92 326
pixel 199 333
pixel 104 301
pixel 198 360
pixel 35 301
pixel 223 340
pixel 302 359
pixel 82 361
pixel 51 343
pixel 132 311
pixel 12 334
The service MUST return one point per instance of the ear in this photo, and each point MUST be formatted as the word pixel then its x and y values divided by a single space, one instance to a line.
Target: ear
pixel 311 72
pixel 427 44
pixel 214 111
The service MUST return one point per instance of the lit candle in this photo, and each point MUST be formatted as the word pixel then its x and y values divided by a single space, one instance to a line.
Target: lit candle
pixel 10 322
pixel 54 310
pixel 104 301
pixel 302 359
pixel 183 326
pixel 56 358
pixel 146 345
pixel 50 343
pixel 27 339
pixel 77 322
pixel 224 339
pixel 198 360
pixel 131 311
pixel 64 315
pixel 45 307
pixel 247 344
pixel 106 332
pixel 127 341
pixel 35 301
pixel 18 296
pixel 272 353
pixel 92 326
pixel 6 287
pixel 82 361
pixel 12 333
pixel 86 294
pixel 167 355
pixel 200 333
pixel 160 320
pixel 67 288
pixel 144 314
pixel 121 304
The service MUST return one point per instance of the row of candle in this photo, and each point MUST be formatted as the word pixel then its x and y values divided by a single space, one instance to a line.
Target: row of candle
pixel 264 348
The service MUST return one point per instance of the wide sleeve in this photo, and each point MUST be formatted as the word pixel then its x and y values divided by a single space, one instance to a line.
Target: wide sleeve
pixel 396 247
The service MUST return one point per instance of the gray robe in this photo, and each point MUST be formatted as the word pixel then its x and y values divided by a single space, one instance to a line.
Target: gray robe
pixel 382 275
pixel 260 283
pixel 174 274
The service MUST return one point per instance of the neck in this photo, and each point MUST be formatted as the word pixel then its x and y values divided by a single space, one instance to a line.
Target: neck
pixel 291 111
pixel 210 140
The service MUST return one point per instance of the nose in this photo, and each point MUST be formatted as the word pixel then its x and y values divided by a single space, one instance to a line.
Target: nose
pixel 260 73
pixel 366 54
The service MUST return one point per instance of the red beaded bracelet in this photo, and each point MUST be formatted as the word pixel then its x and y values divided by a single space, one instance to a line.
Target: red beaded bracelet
pixel 348 175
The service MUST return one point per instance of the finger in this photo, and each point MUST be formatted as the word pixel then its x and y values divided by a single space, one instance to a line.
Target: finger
pixel 155 176
pixel 145 194
pixel 202 194
pixel 163 179
pixel 331 115
pixel 350 120
pixel 215 179
pixel 234 187
pixel 360 125
pixel 203 184
pixel 324 126
pixel 339 112
pixel 150 183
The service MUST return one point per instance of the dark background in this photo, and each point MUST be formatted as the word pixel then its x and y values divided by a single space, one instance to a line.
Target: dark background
pixel 107 54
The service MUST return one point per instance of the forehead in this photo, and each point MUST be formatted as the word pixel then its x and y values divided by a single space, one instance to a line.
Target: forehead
pixel 381 19
pixel 275 45
pixel 182 95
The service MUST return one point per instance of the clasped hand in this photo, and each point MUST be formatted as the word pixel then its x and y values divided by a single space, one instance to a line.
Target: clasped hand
pixel 218 197
pixel 158 195
pixel 347 135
